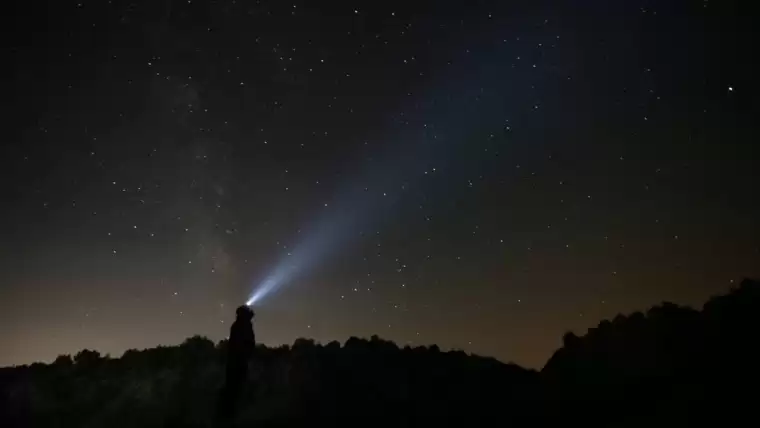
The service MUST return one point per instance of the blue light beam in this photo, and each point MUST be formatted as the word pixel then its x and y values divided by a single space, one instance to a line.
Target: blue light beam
pixel 356 209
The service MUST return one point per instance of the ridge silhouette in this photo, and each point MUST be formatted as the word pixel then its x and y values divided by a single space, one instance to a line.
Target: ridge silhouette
pixel 668 366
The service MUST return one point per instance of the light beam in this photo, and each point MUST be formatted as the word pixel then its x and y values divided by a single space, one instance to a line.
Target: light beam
pixel 408 159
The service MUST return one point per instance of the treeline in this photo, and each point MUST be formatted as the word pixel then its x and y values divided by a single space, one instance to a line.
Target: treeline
pixel 670 366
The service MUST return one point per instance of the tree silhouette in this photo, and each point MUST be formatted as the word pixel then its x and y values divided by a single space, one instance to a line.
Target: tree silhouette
pixel 662 367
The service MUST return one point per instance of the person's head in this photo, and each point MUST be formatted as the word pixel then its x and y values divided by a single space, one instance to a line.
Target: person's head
pixel 244 313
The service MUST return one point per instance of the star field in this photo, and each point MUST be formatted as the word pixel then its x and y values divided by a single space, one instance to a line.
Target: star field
pixel 483 176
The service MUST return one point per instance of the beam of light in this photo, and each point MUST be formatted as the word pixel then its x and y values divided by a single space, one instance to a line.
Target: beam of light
pixel 354 209
pixel 330 232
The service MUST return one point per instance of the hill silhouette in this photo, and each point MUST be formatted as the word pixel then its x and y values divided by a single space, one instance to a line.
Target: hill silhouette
pixel 670 366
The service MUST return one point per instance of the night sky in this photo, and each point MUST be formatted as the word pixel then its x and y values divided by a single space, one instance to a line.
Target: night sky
pixel 478 175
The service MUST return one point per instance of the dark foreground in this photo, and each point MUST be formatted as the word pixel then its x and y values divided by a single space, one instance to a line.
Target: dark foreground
pixel 673 366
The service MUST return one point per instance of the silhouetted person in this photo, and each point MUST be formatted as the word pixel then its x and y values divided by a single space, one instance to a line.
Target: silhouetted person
pixel 240 348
